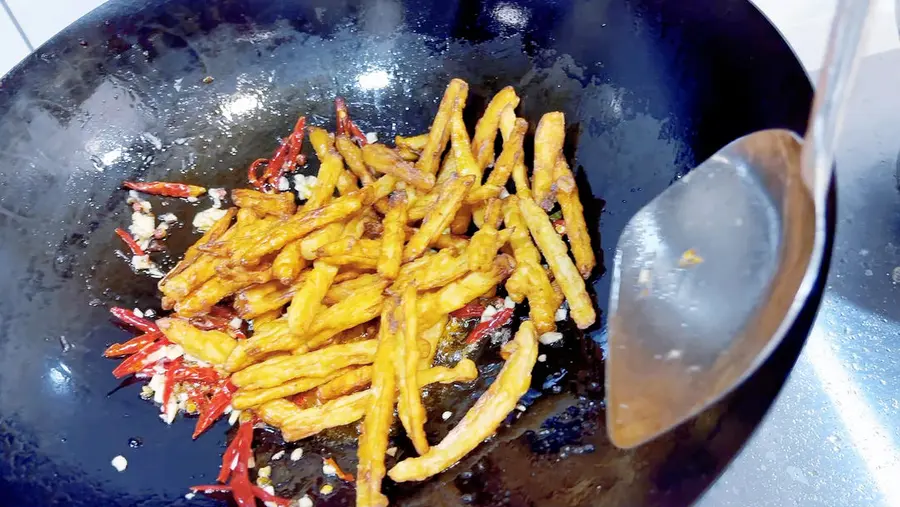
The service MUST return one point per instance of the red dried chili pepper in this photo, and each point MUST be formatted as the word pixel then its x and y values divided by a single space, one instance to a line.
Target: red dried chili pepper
pixel 128 317
pixel 211 488
pixel 286 157
pixel 357 134
pixel 342 116
pixel 500 319
pixel 342 475
pixel 275 164
pixel 232 452
pixel 473 309
pixel 256 180
pixel 166 189
pixel 216 407
pixel 137 361
pixel 131 346
pixel 130 242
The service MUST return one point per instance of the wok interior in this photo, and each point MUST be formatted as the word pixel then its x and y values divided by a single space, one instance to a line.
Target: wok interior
pixel 648 87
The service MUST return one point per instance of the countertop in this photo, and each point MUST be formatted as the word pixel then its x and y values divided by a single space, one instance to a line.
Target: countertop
pixel 833 436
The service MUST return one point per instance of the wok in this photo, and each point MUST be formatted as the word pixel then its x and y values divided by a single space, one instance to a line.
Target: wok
pixel 649 88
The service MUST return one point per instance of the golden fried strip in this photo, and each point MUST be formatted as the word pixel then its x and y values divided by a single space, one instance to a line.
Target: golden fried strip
pixel 523 248
pixel 349 382
pixel 542 301
pixel 340 291
pixel 412 143
pixel 265 318
pixel 459 243
pixel 297 423
pixel 455 295
pixel 517 284
pixel 512 155
pixel 281 205
pixel 350 245
pixel 319 363
pixel 307 301
pixel 201 270
pixel 548 144
pixel 461 147
pixel 573 213
pixel 288 264
pixel 486 128
pixel 484 245
pixel 554 250
pixel 247 398
pixel 347 183
pixel 310 245
pixel 353 157
pixel 438 217
pixel 519 172
pixel 357 261
pixel 207 295
pixel 409 406
pixel 394 235
pixel 436 270
pixel 483 419
pixel 266 297
pixel 387 161
pixel 193 252
pixel 276 237
pixel 359 308
pixel 210 346
pixel 432 336
pixel 332 165
pixel 373 438
pixel 429 160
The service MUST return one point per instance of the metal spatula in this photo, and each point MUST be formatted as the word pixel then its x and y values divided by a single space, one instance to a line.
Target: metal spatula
pixel 710 275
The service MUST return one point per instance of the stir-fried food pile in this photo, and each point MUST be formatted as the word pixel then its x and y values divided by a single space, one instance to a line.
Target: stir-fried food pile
pixel 309 316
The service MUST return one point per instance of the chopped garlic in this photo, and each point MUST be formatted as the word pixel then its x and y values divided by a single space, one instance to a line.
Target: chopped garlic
pixel 296 454
pixel 120 463
pixel 562 314
pixel 305 501
pixel 542 358
pixel 550 337
pixel 371 137
pixel 235 323
pixel 392 451
pixel 217 195
pixel 168 218
pixel 190 495
pixel 283 184
pixel 508 302
pixel 174 351
pixel 446 415
pixel 329 470
pixel 142 226
pixel 265 471
pixel 278 455
pixel 251 462
pixel 303 185
pixel 171 410
pixel 326 489
pixel 204 220
pixel 520 408
pixel 143 263
pixel 504 193
pixel 157 384
pixel 138 312
pixel 489 312
pixel 233 417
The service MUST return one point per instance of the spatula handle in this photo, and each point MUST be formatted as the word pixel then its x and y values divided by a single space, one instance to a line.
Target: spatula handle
pixel 845 44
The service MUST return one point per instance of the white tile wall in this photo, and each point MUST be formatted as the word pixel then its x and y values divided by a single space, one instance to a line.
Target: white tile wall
pixel 803 22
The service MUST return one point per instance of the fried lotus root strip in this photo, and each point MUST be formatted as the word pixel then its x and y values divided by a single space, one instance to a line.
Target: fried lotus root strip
pixel 350 245
pixel 349 382
pixel 214 290
pixel 319 363
pixel 310 245
pixel 557 256
pixel 573 214
pixel 434 305
pixel 542 301
pixel 341 291
pixel 461 147
pixel 277 236
pixel 193 252
pixel 439 134
pixel 264 298
pixel 391 254
pixel 486 128
pixel 512 155
pixel 432 336
pixel 288 264
pixel 439 217
pixel 409 406
pixel 197 267
pixel 519 172
pixel 210 346
pixel 414 144
pixel 353 157
pixel 248 398
pixel 307 301
pixel 436 270
pixel 353 311
pixel 548 144
pixel 332 165
pixel 483 419
pixel 373 438
pixel 387 161
pixel 296 423
pixel 280 205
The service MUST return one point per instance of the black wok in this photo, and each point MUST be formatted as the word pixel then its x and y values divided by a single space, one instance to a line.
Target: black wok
pixel 649 88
